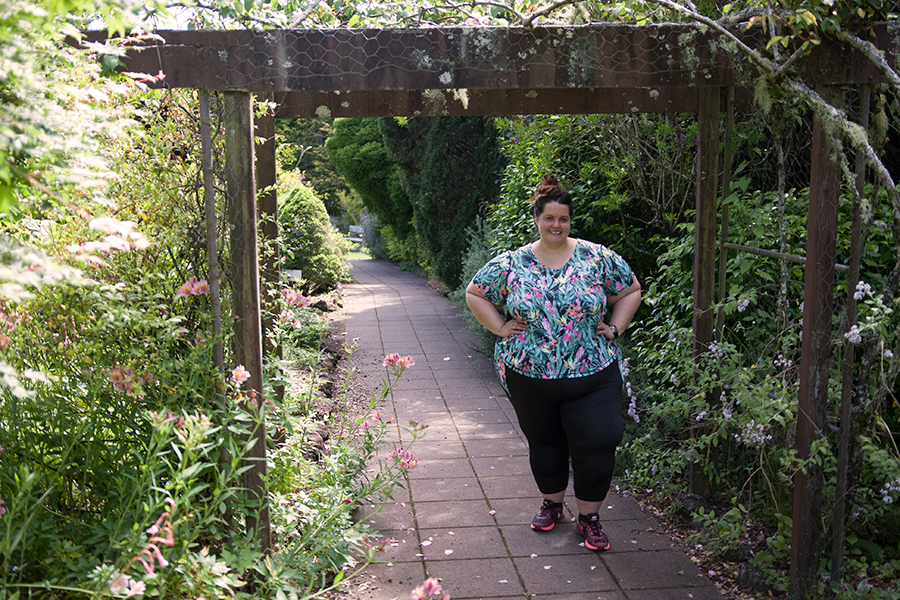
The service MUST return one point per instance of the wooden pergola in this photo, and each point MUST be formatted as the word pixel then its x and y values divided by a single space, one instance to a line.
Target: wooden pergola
pixel 606 68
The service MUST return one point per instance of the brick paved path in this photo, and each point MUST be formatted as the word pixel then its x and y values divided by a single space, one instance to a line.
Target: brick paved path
pixel 464 517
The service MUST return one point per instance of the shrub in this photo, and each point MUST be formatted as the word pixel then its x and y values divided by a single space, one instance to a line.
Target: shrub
pixel 309 242
pixel 478 252
pixel 372 238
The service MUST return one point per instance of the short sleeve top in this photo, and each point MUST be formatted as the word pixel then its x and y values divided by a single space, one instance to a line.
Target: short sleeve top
pixel 562 308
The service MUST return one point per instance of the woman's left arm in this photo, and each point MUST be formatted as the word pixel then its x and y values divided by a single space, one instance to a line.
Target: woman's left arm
pixel 624 306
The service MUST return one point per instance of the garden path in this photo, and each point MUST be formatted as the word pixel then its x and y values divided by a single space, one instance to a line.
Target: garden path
pixel 464 515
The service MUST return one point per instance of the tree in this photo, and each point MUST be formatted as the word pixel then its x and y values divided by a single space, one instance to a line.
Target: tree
pixel 450 167
pixel 357 150
pixel 302 144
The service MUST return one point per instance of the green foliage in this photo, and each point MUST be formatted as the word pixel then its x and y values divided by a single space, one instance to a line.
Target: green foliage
pixel 478 252
pixel 450 167
pixel 56 102
pixel 357 150
pixel 310 244
pixel 372 238
pixel 624 172
pixel 301 146
pixel 733 411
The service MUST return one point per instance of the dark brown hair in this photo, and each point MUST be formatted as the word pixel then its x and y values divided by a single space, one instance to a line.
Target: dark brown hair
pixel 548 190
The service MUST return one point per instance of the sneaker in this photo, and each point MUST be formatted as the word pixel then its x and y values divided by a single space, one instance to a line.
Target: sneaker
pixel 550 514
pixel 594 538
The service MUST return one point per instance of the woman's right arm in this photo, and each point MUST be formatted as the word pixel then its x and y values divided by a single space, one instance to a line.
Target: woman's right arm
pixel 488 315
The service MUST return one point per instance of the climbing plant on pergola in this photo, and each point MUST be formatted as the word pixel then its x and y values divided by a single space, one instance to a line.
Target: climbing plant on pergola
pixel 663 68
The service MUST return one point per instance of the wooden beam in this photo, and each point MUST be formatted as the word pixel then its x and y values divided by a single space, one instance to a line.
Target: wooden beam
pixel 589 56
pixel 548 101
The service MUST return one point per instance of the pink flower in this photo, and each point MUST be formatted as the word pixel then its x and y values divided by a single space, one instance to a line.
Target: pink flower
pixel 294 298
pixel 193 287
pixel 426 589
pixel 2 508
pixel 201 288
pixel 122 583
pixel 185 290
pixel 240 374
pixel 390 360
pixel 405 362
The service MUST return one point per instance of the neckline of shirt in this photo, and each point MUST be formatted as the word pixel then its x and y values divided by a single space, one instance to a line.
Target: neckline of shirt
pixel 543 266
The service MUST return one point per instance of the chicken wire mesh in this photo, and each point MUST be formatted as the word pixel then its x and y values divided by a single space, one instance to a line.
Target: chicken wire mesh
pixel 601 56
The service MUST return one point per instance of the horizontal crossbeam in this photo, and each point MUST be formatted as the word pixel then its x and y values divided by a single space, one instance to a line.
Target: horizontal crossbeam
pixel 653 58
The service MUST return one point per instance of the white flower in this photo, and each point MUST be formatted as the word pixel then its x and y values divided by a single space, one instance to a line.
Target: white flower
pixel 853 335
pixel 862 288
pixel 742 305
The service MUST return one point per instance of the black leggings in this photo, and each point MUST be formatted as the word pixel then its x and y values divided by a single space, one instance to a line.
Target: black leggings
pixel 579 417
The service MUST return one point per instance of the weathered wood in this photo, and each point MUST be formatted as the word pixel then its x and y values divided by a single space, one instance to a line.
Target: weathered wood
pixel 598 55
pixel 815 350
pixel 495 102
pixel 241 191
pixel 705 244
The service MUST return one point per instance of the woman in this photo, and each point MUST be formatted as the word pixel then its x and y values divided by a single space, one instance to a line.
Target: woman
pixel 558 358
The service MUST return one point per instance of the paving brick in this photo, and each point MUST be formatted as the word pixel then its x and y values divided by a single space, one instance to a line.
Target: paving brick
pixel 441 468
pixel 565 574
pixel 462 543
pixel 562 540
pixel 501 466
pixel 514 486
pixel 392 581
pixel 389 516
pixel 454 514
pixel 633 536
pixel 426 449
pixel 513 446
pixel 485 578
pixel 659 569
pixel 462 418
pixel 432 490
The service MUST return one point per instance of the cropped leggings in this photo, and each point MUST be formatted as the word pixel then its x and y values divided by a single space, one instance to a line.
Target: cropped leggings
pixel 578 418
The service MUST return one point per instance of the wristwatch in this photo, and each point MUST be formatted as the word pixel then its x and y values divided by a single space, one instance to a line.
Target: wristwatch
pixel 615 331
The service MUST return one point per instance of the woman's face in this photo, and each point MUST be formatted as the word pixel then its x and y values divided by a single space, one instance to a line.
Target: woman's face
pixel 554 223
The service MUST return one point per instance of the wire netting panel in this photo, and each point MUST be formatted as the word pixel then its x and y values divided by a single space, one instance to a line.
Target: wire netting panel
pixel 608 56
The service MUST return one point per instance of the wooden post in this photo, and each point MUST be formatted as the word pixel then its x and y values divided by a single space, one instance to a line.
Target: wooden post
pixel 267 199
pixel 726 191
pixel 241 191
pixel 856 247
pixel 815 349
pixel 705 242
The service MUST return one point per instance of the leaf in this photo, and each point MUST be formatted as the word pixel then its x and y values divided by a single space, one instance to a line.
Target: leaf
pixel 774 40
pixel 354 21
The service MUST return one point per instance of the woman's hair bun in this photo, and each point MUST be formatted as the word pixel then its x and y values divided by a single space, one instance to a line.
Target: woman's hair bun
pixel 548 190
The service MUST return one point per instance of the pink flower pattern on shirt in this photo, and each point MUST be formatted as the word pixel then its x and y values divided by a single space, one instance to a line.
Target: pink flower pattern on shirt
pixel 562 308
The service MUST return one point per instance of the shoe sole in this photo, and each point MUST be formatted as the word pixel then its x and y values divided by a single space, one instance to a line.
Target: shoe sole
pixel 597 549
pixel 594 548
pixel 552 525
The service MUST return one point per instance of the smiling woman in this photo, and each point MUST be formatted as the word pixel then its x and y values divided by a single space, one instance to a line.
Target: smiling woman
pixel 557 354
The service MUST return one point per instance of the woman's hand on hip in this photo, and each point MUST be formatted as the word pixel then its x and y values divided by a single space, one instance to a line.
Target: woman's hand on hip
pixel 512 327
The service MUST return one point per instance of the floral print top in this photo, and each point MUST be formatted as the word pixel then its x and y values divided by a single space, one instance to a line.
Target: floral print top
pixel 562 308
